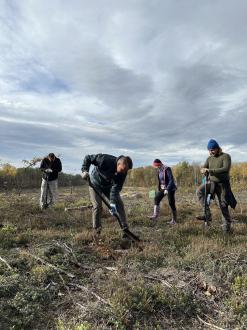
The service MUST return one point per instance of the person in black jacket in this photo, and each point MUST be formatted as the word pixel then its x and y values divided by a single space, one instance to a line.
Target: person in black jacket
pixel 108 176
pixel 50 166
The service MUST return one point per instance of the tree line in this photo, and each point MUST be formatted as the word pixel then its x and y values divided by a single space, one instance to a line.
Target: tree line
pixel 28 177
pixel 187 176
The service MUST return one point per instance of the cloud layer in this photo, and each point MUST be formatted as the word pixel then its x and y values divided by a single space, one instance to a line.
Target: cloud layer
pixel 148 79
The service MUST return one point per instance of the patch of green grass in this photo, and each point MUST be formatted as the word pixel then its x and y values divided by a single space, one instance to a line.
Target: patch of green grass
pixel 62 325
pixel 140 303
pixel 22 302
pixel 240 284
pixel 8 237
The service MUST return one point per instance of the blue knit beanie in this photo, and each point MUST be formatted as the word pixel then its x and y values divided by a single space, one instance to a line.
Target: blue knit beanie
pixel 212 144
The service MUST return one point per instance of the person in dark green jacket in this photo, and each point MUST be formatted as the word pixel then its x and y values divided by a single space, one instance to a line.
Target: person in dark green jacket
pixel 217 167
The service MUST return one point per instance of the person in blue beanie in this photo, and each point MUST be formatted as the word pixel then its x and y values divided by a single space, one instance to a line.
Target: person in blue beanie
pixel 217 167
pixel 212 144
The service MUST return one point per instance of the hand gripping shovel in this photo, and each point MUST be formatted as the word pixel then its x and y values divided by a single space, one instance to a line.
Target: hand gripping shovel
pixel 126 231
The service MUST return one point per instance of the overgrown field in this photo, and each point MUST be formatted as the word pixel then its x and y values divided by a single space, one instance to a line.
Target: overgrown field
pixel 53 275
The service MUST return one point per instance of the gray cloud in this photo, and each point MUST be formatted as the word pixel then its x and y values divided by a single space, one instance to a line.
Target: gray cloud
pixel 151 79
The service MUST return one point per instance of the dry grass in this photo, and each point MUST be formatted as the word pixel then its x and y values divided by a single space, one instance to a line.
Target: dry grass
pixel 54 275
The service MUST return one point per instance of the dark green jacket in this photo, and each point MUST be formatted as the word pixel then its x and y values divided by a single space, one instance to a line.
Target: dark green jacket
pixel 219 167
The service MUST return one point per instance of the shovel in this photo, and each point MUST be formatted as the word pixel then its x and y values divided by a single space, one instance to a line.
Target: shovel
pixel 207 198
pixel 126 231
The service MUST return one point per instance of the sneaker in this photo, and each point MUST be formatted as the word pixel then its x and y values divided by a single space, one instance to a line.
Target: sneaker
pixel 153 217
pixel 172 222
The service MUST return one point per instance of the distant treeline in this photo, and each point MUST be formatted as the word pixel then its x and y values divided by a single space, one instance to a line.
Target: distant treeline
pixel 21 178
pixel 186 176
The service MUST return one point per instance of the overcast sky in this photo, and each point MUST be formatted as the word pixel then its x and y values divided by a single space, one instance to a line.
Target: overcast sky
pixel 149 79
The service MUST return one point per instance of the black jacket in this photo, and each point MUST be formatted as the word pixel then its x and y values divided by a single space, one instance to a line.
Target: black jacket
pixel 56 167
pixel 104 175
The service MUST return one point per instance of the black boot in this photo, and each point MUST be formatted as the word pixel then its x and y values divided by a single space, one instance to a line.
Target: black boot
pixel 226 218
pixel 174 218
pixel 207 216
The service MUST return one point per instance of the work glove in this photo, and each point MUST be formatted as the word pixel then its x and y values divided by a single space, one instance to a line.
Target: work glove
pixel 162 186
pixel 48 170
pixel 85 175
pixel 113 209
pixel 204 171
pixel 208 199
pixel 165 192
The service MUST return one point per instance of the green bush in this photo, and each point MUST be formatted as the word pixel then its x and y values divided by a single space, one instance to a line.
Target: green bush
pixel 61 325
pixel 22 302
pixel 144 302
pixel 239 285
pixel 8 237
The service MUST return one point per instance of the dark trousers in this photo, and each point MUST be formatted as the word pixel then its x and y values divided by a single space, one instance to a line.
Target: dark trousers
pixel 222 203
pixel 171 198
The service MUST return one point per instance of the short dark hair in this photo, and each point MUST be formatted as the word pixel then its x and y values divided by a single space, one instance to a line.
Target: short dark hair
pixel 130 162
pixel 157 162
pixel 51 155
pixel 126 160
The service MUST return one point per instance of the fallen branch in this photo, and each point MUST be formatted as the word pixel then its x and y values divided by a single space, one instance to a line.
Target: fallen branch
pixel 159 280
pixel 59 270
pixel 82 208
pixel 212 326
pixel 81 306
pixel 6 263
pixel 91 292
pixel 68 249
pixel 112 269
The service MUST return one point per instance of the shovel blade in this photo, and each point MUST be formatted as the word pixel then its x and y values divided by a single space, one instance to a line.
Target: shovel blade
pixel 131 235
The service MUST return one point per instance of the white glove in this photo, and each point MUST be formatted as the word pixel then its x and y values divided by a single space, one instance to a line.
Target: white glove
pixel 204 171
pixel 165 192
pixel 48 170
pixel 162 186
pixel 85 175
pixel 113 209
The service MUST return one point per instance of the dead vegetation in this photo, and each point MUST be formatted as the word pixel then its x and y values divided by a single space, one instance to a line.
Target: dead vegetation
pixel 54 275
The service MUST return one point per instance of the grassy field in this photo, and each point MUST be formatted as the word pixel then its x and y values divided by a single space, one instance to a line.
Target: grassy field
pixel 53 275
